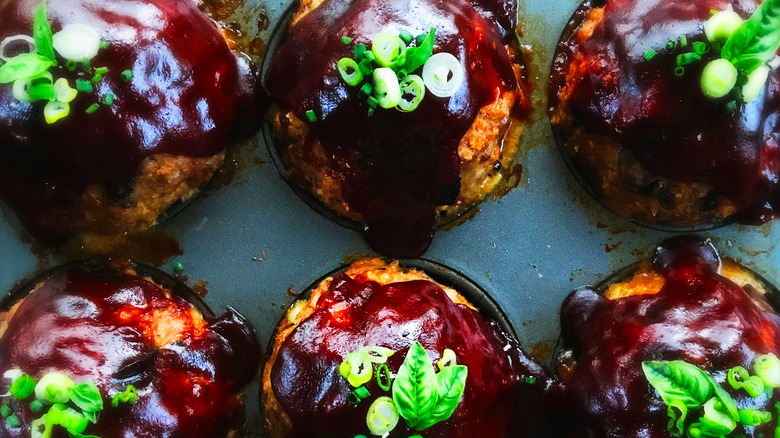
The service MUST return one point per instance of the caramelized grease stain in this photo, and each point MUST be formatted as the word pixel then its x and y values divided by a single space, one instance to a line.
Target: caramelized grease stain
pixel 201 288
pixel 241 24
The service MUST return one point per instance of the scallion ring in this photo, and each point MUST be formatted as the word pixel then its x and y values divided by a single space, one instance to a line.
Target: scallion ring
pixel 54 387
pixel 77 42
pixel 12 39
pixel 720 26
pixel 384 383
pixel 350 71
pixel 63 92
pixel 717 80
pixel 753 417
pixel 412 93
pixel 387 48
pixel 767 368
pixel 358 395
pixel 382 416
pixel 448 359
pixel 717 418
pixel 755 83
pixel 361 369
pixel 387 90
pixel 376 353
pixel 443 74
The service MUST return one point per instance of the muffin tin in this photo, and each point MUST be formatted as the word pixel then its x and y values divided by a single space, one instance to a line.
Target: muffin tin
pixel 257 244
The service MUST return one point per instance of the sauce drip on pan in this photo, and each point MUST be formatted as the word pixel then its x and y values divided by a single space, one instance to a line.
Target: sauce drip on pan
pixel 671 128
pixel 189 96
pixel 394 168
pixel 355 313
pixel 107 327
pixel 698 316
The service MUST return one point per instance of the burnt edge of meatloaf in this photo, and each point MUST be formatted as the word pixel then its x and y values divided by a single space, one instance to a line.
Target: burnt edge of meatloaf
pixel 440 273
pixel 448 215
pixel 658 190
pixel 564 357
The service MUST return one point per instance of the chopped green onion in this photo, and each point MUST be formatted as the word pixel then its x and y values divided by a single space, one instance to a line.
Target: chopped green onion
pixel 54 387
pixel 716 417
pixel 36 406
pixel 717 80
pixel 387 90
pixel 420 38
pixel 83 85
pixel 360 51
pixel 737 377
pixel 443 74
pixel 366 89
pixel 127 75
pixel 71 65
pixel 753 417
pixel 128 397
pixel 87 397
pixel 386 384
pixel 683 41
pixel 386 48
pixel 101 70
pixel 358 395
pixel 370 112
pixel 39 428
pixel 5 411
pixel 530 380
pixel 730 106
pixel 382 416
pixel 361 369
pixel 700 47
pixel 346 40
pixel 311 115
pixel 178 268
pixel 755 83
pixel 366 67
pixel 448 359
pixel 376 353
pixel 104 44
pixel 402 74
pixel 688 58
pixel 23 387
pixel 350 71
pixel 63 92
pixel 109 99
pixel 42 92
pixel 344 369
pixel 72 420
pixel 372 102
pixel 13 422
pixel 722 25
pixel 650 54
pixel 85 65
pixel 369 56
pixel 767 368
pixel 97 78
pixel 406 37
pixel 671 45
pixel 77 42
pixel 679 71
pixel 92 108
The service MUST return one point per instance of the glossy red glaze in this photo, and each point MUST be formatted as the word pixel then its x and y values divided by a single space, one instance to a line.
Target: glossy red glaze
pixel 100 326
pixel 394 167
pixel 698 316
pixel 356 313
pixel 189 95
pixel 668 124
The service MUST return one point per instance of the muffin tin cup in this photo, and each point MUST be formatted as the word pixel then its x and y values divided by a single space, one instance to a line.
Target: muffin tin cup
pixel 576 19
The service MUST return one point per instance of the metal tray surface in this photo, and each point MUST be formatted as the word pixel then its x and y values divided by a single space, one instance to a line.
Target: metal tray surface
pixel 254 241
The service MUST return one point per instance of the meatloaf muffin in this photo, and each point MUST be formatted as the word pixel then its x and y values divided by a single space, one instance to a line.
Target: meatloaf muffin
pixel 320 381
pixel 686 320
pixel 129 108
pixel 398 172
pixel 96 349
pixel 635 126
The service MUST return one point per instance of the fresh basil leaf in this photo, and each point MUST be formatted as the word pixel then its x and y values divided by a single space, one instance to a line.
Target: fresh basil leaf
pixel 416 56
pixel 756 41
pixel 87 397
pixel 726 401
pixel 91 416
pixel 23 66
pixel 42 32
pixel 452 383
pixel 679 380
pixel 677 412
pixel 415 389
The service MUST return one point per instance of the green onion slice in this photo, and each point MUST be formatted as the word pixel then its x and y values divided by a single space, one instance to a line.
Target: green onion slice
pixel 679 71
pixel 358 395
pixel 31 48
pixel 767 368
pixel 443 75
pixel 688 58
pixel 77 42
pixel 361 369
pixel 377 354
pixel 350 72
pixel 717 80
pixel 412 93
pixel 722 25
pixel 127 75
pixel 346 40
pixel 649 54
pixel 737 377
pixel 311 115
pixel 387 90
pixel 700 48
pixel 39 428
pixel 63 92
pixel 55 386
pixel 387 48
pixel 753 417
pixel 13 421
pixel 84 85
pixel 716 418
pixel 382 416
pixel 69 418
pixel 448 359
pixel 406 37
pixel 360 51
pixel 128 397
pixel 755 83
pixel 23 387
pixel 386 383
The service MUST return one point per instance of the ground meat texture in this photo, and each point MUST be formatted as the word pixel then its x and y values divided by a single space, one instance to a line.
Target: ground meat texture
pixel 646 143
pixel 119 168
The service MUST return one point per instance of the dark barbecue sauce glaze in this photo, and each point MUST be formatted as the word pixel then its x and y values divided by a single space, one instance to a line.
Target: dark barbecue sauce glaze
pixel 99 326
pixel 667 123
pixel 698 316
pixel 356 312
pixel 394 167
pixel 189 96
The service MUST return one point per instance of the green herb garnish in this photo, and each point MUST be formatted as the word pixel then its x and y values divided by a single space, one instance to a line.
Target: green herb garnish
pixel 649 54
pixel 129 396
pixel 42 32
